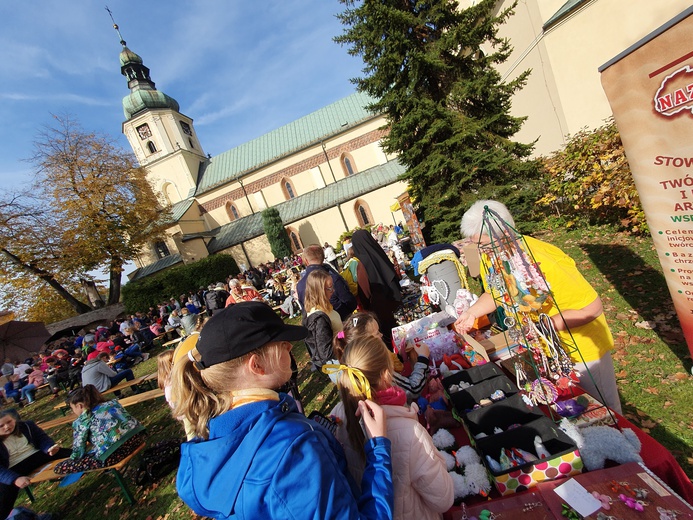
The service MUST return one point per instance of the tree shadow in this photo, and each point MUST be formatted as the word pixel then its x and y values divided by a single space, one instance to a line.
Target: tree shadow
pixel 643 287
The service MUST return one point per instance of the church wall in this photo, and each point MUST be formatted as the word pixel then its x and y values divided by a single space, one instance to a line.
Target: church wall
pixel 563 93
pixel 191 250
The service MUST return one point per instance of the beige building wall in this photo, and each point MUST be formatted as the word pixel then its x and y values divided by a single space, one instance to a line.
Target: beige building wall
pixel 564 93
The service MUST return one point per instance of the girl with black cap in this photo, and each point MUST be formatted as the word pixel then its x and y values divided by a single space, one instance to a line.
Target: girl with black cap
pixel 254 455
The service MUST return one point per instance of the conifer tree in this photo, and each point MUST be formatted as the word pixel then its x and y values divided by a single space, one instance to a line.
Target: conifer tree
pixel 430 66
pixel 276 234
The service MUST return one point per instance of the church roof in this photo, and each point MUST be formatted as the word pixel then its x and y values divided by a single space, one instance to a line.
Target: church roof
pixel 308 204
pixel 290 138
pixel 157 266
pixel 179 209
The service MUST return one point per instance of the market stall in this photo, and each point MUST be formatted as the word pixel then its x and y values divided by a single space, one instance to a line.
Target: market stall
pixel 510 416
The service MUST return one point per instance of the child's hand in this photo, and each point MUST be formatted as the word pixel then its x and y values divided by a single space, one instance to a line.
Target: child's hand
pixel 422 350
pixel 373 418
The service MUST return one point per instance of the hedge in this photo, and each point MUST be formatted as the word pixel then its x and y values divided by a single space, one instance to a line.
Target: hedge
pixel 171 283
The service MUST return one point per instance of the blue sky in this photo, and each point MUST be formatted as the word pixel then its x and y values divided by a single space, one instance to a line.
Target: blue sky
pixel 239 69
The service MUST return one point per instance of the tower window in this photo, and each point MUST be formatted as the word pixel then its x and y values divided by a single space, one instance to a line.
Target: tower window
pixel 186 128
pixel 144 131
pixel 151 146
pixel 161 249
pixel 191 143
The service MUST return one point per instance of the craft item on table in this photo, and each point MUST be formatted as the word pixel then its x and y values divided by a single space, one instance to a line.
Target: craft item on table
pixel 667 514
pixel 531 506
pixel 542 452
pixel 497 430
pixel 485 514
pixel 514 425
pixel 442 345
pixel 638 505
pixel 422 403
pixel 438 404
pixel 505 461
pixel 474 480
pixel 498 395
pixel 437 419
pixel 527 400
pixel 462 385
pixel 443 439
pixel 623 487
pixel 569 512
pixel 527 456
pixel 493 464
pixel 569 408
pixel 434 390
pixel 485 402
pixel 543 391
pixel 480 435
pixel 455 362
pixel 605 500
pixel 603 516
pixel 641 493
pixel 599 443
pixel 449 459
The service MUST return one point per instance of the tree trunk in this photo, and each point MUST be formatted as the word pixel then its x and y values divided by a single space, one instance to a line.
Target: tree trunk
pixel 77 305
pixel 116 271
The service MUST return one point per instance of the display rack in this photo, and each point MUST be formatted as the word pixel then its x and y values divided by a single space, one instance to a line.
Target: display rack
pixel 515 281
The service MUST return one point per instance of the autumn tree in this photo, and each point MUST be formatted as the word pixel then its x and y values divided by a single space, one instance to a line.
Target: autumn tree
pixel 280 244
pixel 90 207
pixel 431 67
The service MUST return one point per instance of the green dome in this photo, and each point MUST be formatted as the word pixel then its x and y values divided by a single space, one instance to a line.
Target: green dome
pixel 127 56
pixel 147 99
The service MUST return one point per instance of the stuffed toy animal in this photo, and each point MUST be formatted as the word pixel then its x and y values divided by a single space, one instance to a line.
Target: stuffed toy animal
pixel 599 443
pixel 474 480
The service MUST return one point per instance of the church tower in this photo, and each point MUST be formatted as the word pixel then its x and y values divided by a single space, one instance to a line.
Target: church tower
pixel 163 139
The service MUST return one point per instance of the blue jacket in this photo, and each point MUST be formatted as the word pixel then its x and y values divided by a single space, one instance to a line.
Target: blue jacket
pixel 265 460
pixel 36 437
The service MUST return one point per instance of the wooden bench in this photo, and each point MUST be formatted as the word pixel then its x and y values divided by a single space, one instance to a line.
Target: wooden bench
pixel 125 402
pixel 142 380
pixel 47 473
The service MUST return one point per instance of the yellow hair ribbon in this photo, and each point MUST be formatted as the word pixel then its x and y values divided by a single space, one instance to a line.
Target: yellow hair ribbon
pixel 358 380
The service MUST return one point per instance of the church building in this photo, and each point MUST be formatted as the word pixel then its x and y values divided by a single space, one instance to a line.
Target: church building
pixel 325 173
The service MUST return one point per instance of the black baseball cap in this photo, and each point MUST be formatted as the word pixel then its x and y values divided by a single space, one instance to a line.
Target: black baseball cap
pixel 242 328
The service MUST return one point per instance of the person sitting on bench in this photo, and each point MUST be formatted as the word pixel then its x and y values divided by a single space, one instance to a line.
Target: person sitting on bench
pixel 104 433
pixel 97 372
pixel 24 447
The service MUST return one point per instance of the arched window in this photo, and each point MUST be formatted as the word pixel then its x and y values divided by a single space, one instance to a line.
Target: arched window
pixel 288 189
pixel 363 213
pixel 348 164
pixel 191 143
pixel 295 238
pixel 151 146
pixel 232 211
pixel 161 249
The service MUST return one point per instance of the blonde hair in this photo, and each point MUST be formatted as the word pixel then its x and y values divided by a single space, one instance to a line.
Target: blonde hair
pixel 315 296
pixel 369 355
pixel 201 395
pixel 354 326
pixel 164 365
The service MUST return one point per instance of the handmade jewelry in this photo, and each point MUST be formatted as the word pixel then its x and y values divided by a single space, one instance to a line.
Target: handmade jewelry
pixel 485 514
pixel 531 506
pixel 604 499
pixel 667 514
pixel 638 505
pixel 641 493
pixel 604 516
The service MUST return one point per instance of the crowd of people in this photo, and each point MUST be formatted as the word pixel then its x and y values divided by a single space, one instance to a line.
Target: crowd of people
pixel 232 382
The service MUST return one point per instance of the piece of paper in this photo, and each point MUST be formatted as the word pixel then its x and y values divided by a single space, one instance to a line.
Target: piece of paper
pixel 577 497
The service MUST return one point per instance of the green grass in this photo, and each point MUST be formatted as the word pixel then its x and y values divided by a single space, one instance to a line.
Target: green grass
pixel 652 366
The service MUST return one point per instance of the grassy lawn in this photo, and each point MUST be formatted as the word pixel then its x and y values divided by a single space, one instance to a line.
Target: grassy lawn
pixel 651 358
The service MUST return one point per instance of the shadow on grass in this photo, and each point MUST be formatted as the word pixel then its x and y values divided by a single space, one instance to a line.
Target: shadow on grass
pixel 647 292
